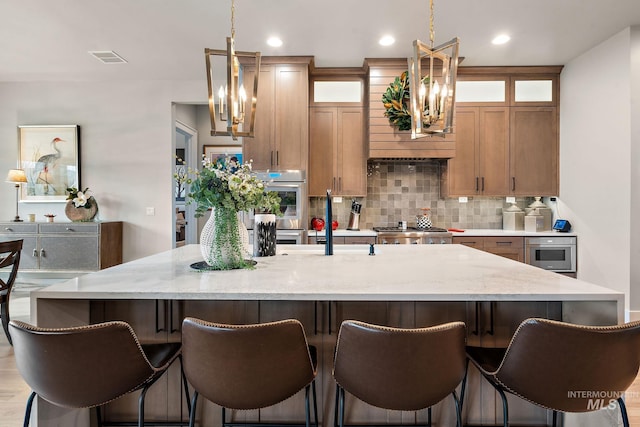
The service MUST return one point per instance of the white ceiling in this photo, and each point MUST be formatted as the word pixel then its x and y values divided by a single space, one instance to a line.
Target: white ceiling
pixel 164 39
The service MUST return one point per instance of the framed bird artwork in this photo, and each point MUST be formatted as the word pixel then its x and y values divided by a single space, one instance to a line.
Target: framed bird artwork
pixel 50 157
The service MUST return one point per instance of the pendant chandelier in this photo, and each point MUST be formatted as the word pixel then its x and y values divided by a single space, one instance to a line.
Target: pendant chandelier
pixel 232 99
pixel 432 95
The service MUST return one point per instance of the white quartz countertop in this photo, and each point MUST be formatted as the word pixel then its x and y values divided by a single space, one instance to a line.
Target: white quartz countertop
pixel 500 232
pixel 303 272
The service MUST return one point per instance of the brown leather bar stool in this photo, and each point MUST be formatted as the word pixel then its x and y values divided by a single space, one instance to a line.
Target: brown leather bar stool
pixel 248 366
pixel 563 367
pixel 398 369
pixel 89 366
pixel 9 258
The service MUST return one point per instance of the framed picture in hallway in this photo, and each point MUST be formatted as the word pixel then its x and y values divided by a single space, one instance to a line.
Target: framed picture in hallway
pixel 214 152
pixel 50 157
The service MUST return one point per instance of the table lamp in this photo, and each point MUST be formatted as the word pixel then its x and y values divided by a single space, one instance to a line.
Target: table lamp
pixel 16 176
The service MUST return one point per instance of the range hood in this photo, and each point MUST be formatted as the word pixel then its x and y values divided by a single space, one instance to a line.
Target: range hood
pixel 385 140
pixel 405 148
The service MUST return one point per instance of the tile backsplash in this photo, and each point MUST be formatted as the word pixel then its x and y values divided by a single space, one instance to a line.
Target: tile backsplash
pixel 396 190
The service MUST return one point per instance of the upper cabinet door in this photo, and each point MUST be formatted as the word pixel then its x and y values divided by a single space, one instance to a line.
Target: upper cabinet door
pixel 260 147
pixel 534 151
pixel 323 128
pixel 292 117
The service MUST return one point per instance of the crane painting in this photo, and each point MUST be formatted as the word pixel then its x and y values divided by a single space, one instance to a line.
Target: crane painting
pixel 49 156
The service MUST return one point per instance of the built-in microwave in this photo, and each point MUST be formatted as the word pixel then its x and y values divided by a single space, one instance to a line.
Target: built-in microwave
pixel 552 253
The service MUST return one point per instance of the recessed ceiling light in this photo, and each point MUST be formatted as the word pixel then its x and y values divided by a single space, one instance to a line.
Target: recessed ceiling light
pixel 387 41
pixel 274 41
pixel 501 39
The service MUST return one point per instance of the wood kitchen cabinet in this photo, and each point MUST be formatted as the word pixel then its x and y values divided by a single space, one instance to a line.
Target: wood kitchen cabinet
pixel 511 247
pixel 66 247
pixel 281 138
pixel 534 151
pixel 337 159
pixel 481 165
pixel 506 144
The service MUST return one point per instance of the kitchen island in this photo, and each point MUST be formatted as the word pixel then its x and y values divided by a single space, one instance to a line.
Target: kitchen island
pixel 401 285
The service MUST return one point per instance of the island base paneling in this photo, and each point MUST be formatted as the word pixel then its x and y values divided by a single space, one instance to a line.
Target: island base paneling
pixel 160 320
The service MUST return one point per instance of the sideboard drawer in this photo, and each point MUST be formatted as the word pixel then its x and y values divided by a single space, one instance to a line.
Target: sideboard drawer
pixel 19 227
pixel 71 227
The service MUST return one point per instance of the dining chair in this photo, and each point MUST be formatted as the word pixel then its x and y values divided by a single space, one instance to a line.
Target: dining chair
pixel 9 261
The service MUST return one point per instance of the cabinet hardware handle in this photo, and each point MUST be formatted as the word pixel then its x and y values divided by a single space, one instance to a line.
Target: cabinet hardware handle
pixel 504 243
pixel 35 252
pixel 158 328
pixel 7 229
pixel 491 330
pixel 329 312
pixel 42 253
pixel 69 229
pixel 483 183
pixel 277 157
pixel 272 164
pixel 340 183
pixel 477 187
pixel 333 187
pixel 315 318
pixel 173 330
pixel 513 183
pixel 475 327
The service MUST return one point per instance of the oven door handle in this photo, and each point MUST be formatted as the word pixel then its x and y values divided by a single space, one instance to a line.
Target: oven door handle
pixel 275 185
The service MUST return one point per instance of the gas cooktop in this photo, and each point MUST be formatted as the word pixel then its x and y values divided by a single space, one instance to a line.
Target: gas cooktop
pixel 409 230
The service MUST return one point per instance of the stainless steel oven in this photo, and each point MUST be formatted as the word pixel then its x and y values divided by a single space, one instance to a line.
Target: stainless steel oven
pixel 291 186
pixel 552 253
pixel 412 236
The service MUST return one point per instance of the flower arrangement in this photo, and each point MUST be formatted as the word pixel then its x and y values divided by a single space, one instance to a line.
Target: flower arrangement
pixel 80 205
pixel 80 199
pixel 226 183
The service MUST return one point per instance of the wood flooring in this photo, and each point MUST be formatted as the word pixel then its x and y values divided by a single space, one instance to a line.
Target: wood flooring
pixel 14 392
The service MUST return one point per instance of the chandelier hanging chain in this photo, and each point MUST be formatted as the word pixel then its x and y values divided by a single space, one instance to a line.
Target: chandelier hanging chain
pixel 432 32
pixel 233 13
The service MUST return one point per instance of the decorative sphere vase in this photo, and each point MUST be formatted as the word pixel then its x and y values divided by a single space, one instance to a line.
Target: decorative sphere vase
pixel 81 214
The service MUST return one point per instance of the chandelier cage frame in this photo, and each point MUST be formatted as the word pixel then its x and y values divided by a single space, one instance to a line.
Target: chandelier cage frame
pixel 234 93
pixel 432 98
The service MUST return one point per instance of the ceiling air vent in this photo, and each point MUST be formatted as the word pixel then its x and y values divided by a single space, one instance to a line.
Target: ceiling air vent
pixel 107 57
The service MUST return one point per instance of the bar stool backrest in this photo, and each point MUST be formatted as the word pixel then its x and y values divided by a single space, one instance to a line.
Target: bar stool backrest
pixel 400 369
pixel 568 367
pixel 80 367
pixel 246 366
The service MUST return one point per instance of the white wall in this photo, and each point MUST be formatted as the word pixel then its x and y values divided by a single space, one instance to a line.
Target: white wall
pixel 127 159
pixel 595 151
pixel 635 168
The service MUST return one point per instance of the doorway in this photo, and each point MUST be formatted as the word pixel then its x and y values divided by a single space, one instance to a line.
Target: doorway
pixel 186 149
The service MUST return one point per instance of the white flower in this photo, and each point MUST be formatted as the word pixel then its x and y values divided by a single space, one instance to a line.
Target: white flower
pixel 80 199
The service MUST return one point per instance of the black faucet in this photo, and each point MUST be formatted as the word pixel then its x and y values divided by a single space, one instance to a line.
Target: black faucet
pixel 328 246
